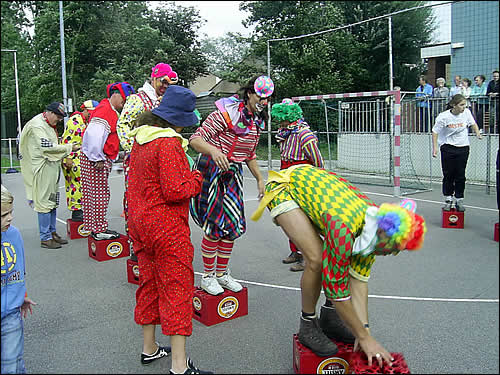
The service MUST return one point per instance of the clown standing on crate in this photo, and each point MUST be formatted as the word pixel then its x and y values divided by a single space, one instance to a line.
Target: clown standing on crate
pixel 148 97
pixel 227 138
pixel 100 147
pixel 298 145
pixel 75 127
pixel 339 231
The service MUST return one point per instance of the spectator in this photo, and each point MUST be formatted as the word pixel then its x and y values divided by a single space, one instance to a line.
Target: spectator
pixel 479 100
pixel 466 90
pixel 147 98
pixel 40 160
pixel 75 127
pixel 308 202
pixel 441 93
pixel 423 95
pixel 100 147
pixel 457 87
pixel 160 187
pixel 450 132
pixel 228 137
pixel 298 145
pixel 15 301
pixel 493 92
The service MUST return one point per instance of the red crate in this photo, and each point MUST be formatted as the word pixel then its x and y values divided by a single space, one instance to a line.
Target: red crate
pixel 359 365
pixel 453 219
pixel 132 272
pixel 496 232
pixel 108 249
pixel 306 362
pixel 75 229
pixel 210 310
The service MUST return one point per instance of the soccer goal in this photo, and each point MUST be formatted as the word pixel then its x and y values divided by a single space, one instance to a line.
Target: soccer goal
pixel 370 138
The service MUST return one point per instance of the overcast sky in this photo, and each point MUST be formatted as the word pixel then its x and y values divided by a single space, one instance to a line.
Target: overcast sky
pixel 221 17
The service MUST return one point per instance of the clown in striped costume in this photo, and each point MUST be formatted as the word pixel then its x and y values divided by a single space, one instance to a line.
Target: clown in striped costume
pixel 298 145
pixel 227 138
pixel 339 230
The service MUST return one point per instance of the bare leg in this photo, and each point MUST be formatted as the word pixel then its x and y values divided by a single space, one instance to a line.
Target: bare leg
pixel 301 231
pixel 179 360
pixel 148 333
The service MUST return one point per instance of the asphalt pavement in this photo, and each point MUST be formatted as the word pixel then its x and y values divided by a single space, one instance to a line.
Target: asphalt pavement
pixel 437 306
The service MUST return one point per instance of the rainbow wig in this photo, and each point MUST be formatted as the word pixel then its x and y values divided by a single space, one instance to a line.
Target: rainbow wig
pixel 286 110
pixel 404 228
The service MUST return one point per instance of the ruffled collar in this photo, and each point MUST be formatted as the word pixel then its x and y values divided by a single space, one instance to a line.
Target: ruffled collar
pixel 150 91
pixel 237 116
pixel 293 127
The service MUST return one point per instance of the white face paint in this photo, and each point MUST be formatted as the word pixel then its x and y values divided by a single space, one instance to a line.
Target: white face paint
pixel 259 107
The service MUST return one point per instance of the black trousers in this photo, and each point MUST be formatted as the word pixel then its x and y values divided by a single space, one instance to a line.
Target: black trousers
pixel 453 162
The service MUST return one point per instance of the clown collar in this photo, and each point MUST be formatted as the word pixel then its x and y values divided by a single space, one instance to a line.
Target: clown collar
pixel 237 117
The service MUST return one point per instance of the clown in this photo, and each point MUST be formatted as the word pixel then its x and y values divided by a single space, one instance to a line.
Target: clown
pixel 298 145
pixel 227 138
pixel 100 147
pixel 339 230
pixel 75 127
pixel 148 97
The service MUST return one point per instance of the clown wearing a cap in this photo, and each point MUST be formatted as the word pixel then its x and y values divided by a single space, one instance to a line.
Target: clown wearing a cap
pixel 298 145
pixel 339 231
pixel 75 126
pixel 227 138
pixel 100 147
pixel 147 98
pixel 40 160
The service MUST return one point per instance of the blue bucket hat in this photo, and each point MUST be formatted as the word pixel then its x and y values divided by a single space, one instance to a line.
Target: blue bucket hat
pixel 177 107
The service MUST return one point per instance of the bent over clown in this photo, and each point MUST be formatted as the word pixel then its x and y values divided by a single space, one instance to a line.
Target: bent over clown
pixel 339 231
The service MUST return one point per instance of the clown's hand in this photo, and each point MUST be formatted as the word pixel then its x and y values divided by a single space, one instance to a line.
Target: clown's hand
pixel 364 244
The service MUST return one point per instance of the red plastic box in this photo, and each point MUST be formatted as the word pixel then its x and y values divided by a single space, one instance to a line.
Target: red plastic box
pixel 108 249
pixel 359 365
pixel 306 362
pixel 210 310
pixel 496 232
pixel 132 272
pixel 75 229
pixel 453 219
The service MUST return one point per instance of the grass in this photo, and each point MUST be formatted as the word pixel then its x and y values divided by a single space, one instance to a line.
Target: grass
pixel 6 164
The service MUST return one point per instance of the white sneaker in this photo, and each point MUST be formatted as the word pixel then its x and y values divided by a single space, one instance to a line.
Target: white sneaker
pixel 210 285
pixel 226 281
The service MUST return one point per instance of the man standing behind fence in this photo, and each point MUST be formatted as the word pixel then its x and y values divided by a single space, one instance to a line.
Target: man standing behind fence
pixel 40 158
pixel 493 92
pixel 424 93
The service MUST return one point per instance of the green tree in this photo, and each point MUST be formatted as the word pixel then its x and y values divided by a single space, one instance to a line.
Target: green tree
pixel 224 52
pixel 347 60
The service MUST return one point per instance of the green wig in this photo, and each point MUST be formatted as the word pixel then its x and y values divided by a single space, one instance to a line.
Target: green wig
pixel 286 110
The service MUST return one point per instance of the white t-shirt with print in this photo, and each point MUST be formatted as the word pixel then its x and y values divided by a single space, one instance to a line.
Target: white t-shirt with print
pixel 453 129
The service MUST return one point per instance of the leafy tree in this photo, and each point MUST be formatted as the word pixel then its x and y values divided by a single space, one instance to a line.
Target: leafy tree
pixel 346 60
pixel 224 52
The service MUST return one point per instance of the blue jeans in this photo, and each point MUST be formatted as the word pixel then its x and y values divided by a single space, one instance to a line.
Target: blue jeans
pixel 13 344
pixel 47 224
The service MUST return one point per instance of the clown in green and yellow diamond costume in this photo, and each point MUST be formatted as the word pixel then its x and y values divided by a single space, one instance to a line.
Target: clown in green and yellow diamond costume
pixel 337 208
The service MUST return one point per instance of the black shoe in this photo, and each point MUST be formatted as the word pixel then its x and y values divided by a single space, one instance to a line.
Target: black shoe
pixel 311 336
pixel 333 327
pixel 107 235
pixel 192 369
pixel 77 215
pixel 162 351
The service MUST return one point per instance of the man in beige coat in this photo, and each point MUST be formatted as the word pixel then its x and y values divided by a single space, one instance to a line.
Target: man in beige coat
pixel 40 159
